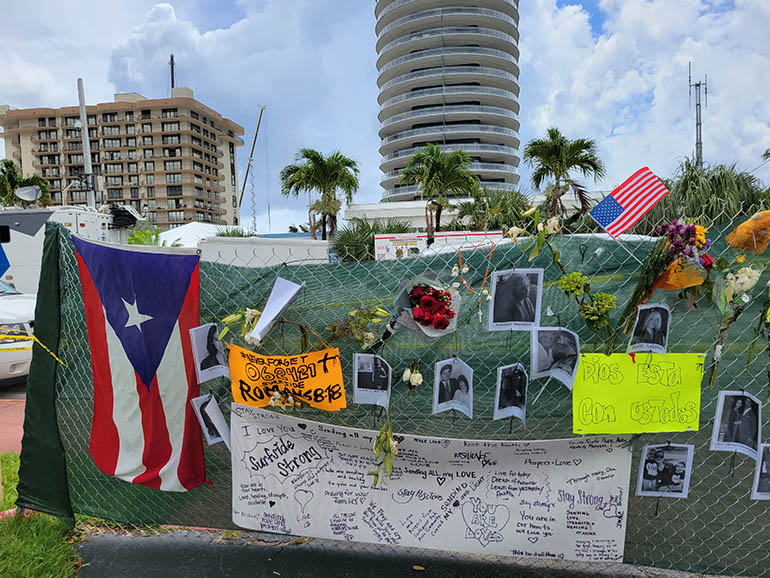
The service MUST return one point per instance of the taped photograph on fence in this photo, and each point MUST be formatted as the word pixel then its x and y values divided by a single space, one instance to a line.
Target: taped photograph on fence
pixel 650 333
pixel 555 353
pixel 516 299
pixel 371 379
pixel 453 386
pixel 210 361
pixel 737 423
pixel 762 477
pixel 212 421
pixel 511 393
pixel 665 470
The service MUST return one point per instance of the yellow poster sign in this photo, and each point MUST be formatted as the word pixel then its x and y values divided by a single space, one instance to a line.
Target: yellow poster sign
pixel 314 378
pixel 626 393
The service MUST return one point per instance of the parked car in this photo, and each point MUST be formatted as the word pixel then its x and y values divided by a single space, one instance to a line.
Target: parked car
pixel 17 314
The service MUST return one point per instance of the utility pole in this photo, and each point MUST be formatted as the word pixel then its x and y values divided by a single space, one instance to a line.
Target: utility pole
pixel 171 64
pixel 698 121
pixel 88 168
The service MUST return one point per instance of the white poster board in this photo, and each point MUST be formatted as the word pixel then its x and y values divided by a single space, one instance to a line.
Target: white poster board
pixel 563 499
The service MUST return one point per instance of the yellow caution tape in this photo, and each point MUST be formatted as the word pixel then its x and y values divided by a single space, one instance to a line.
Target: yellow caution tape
pixel 28 338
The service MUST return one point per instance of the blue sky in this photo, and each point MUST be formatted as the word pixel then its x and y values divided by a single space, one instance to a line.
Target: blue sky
pixel 611 70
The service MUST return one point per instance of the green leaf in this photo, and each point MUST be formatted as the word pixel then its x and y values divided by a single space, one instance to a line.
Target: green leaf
pixel 536 217
pixel 389 467
pixel 376 479
pixel 556 256
pixel 535 252
pixel 722 264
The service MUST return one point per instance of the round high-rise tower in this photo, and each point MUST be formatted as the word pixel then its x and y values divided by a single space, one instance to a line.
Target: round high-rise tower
pixel 448 74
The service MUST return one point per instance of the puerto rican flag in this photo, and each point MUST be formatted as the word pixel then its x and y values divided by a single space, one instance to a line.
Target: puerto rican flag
pixel 140 305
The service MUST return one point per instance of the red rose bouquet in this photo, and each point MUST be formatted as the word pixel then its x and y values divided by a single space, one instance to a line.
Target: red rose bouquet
pixel 425 305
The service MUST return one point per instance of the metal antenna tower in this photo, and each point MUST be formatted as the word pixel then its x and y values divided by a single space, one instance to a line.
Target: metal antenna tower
pixel 698 121
pixel 172 64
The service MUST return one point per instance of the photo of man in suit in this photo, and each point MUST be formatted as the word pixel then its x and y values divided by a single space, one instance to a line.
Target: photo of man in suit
pixel 446 385
pixel 371 380
pixel 515 300
pixel 737 423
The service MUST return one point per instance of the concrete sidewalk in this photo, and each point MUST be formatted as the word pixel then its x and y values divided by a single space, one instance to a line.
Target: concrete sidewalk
pixel 11 424
pixel 197 554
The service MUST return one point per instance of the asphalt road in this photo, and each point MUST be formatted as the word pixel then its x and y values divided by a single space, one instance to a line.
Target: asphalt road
pixel 17 391
pixel 195 554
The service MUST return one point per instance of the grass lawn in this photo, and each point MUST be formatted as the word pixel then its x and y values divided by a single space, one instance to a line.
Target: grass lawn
pixel 31 547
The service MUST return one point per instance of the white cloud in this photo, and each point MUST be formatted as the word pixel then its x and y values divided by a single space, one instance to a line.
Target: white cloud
pixel 627 88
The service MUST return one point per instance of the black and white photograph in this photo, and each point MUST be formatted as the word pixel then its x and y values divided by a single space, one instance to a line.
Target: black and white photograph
pixel 209 357
pixel 371 380
pixel 737 423
pixel 453 387
pixel 650 333
pixel 213 424
pixel 555 353
pixel 516 297
pixel 511 393
pixel 665 470
pixel 762 477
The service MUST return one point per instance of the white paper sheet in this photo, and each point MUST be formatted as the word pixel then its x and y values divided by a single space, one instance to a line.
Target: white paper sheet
pixel 564 499
pixel 281 295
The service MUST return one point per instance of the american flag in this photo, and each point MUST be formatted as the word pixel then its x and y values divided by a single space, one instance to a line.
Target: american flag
pixel 140 307
pixel 629 202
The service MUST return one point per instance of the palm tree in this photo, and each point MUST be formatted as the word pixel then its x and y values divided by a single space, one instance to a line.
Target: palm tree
pixel 439 176
pixel 554 158
pixel 766 155
pixel 491 210
pixel 325 175
pixel 11 180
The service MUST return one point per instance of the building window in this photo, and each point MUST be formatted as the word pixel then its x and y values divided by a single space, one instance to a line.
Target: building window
pixel 174 191
pixel 132 168
pixel 71 120
pixel 110 130
pixel 113 168
pixel 130 129
pixel 169 126
pixel 71 133
pixel 146 114
pixel 92 132
pixel 130 115
pixel 150 179
pixel 114 193
pixel 172 152
pixel 41 122
pixel 149 165
pixel 195 127
pixel 147 127
pixel 152 217
pixel 197 166
pixel 132 154
pixel 75 159
pixel 111 143
pixel 131 141
pixel 195 140
pixel 91 119
pixel 51 121
pixel 151 192
pixel 114 181
pixel 147 140
pixel 133 179
pixel 71 146
pixel 170 113
pixel 235 202
pixel 173 178
pixel 112 156
pixel 110 117
pixel 171 139
pixel 176 216
pixel 173 165
pixel 147 153
pixel 134 192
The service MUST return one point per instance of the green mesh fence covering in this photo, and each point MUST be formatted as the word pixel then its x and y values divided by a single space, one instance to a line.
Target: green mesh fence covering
pixel 717 529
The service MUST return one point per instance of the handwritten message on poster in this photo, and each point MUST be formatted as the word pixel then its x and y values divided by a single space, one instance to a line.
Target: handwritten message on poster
pixel 564 499
pixel 313 378
pixel 627 393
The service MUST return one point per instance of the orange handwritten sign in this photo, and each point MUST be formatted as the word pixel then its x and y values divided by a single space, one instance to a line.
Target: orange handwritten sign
pixel 314 378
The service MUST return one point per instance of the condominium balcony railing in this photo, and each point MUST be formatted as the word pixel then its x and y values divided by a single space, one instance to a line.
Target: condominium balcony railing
pixel 447 91
pixel 447 31
pixel 448 110
pixel 448 51
pixel 457 128
pixel 469 148
pixel 449 71
pixel 461 11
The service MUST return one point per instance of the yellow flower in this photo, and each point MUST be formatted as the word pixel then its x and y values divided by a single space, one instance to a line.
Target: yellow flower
pixel 740 258
pixel 700 236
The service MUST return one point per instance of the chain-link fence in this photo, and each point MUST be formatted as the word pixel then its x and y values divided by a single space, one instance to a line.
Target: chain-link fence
pixel 717 529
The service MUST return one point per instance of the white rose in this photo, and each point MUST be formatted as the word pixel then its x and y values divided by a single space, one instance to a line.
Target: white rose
pixel 416 378
pixel 407 374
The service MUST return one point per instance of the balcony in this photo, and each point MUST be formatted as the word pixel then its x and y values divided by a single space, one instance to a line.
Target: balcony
pixel 447 94
pixel 455 15
pixel 484 75
pixel 505 153
pixel 472 130
pixel 498 115
pixel 447 56
pixel 388 11
pixel 412 191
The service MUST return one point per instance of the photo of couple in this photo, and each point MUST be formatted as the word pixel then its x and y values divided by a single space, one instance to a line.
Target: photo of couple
pixel 453 387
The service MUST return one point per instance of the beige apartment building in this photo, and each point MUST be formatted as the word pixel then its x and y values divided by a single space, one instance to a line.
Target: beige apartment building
pixel 174 159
